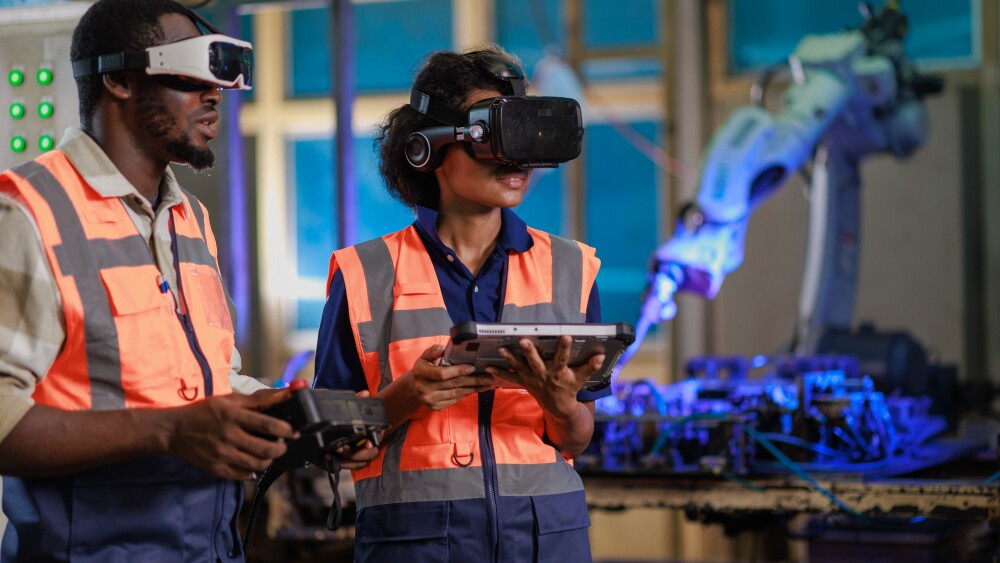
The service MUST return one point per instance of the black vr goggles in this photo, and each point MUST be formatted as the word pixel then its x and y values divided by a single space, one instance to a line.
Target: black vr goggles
pixel 518 130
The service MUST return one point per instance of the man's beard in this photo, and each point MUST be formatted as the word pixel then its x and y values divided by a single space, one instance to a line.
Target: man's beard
pixel 159 127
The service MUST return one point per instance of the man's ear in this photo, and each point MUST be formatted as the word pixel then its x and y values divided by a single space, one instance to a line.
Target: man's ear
pixel 119 84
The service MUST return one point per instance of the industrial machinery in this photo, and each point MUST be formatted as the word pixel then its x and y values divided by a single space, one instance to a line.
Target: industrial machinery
pixel 826 425
pixel 739 416
pixel 853 95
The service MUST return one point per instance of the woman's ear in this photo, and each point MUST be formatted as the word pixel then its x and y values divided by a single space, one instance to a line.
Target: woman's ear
pixel 119 84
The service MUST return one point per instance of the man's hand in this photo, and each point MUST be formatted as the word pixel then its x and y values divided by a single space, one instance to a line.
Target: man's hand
pixel 221 435
pixel 225 435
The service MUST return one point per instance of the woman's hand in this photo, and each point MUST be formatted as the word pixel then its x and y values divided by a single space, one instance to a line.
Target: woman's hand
pixel 431 385
pixel 569 424
pixel 439 386
pixel 553 384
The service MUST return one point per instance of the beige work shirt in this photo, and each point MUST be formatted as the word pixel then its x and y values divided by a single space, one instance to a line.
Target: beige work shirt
pixel 32 328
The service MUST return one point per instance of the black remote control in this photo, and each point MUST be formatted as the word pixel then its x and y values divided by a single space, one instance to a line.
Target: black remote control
pixel 327 419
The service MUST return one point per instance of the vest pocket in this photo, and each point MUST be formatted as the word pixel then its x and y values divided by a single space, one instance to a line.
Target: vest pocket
pixel 561 523
pixel 206 287
pixel 403 532
pixel 149 342
pixel 131 291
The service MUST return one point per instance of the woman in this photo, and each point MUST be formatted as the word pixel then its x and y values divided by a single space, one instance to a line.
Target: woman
pixel 470 471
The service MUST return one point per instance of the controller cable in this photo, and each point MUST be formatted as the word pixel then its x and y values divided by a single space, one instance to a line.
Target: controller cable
pixel 333 519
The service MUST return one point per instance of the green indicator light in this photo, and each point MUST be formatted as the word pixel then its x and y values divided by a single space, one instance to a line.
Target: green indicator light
pixel 46 142
pixel 44 76
pixel 17 110
pixel 18 144
pixel 15 77
pixel 45 110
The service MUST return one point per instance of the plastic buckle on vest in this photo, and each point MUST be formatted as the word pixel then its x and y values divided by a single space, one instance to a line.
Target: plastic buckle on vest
pixel 187 393
pixel 463 450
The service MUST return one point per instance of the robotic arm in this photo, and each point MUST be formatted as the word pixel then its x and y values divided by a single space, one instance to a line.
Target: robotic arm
pixel 853 94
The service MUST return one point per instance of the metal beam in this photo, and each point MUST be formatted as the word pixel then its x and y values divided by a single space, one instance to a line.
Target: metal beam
pixel 344 90
pixel 950 500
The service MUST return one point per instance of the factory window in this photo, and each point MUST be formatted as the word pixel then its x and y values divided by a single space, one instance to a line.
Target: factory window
pixel 533 29
pixel 622 215
pixel 621 24
pixel 314 214
pixel 527 27
pixel 391 39
pixel 379 213
pixel 763 32
pixel 543 207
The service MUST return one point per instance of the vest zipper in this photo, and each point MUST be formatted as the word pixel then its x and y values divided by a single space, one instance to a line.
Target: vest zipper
pixel 489 472
pixel 206 371
pixel 185 317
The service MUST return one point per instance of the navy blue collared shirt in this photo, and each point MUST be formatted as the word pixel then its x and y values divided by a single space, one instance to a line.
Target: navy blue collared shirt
pixel 467 297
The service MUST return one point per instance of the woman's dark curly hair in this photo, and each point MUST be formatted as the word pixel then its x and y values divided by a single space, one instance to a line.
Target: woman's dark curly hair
pixel 446 77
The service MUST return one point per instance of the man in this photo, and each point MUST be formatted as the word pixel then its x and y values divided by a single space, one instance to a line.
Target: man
pixel 120 438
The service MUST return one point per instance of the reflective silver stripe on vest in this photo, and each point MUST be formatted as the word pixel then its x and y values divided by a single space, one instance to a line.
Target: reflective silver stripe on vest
pixel 529 479
pixel 567 271
pixel 540 313
pixel 380 276
pixel 419 323
pixel 194 251
pixel 465 483
pixel 76 259
pixel 421 485
pixel 108 253
pixel 199 215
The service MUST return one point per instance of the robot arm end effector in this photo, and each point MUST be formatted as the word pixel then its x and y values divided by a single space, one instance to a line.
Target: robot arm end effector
pixel 695 260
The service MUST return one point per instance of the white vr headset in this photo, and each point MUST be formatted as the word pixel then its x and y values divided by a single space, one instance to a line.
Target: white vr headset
pixel 215 59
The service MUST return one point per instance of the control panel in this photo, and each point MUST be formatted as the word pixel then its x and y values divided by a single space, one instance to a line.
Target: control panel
pixel 38 98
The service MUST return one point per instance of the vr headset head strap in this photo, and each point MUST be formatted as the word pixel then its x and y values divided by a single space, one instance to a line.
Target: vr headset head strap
pixel 491 64
pixel 110 63
pixel 436 110
pixel 499 67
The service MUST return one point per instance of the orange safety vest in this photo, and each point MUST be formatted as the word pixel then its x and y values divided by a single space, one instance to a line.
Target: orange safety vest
pixel 126 343
pixel 397 311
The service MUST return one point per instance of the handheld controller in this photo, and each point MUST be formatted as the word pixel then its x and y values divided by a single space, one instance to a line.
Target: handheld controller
pixel 327 420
